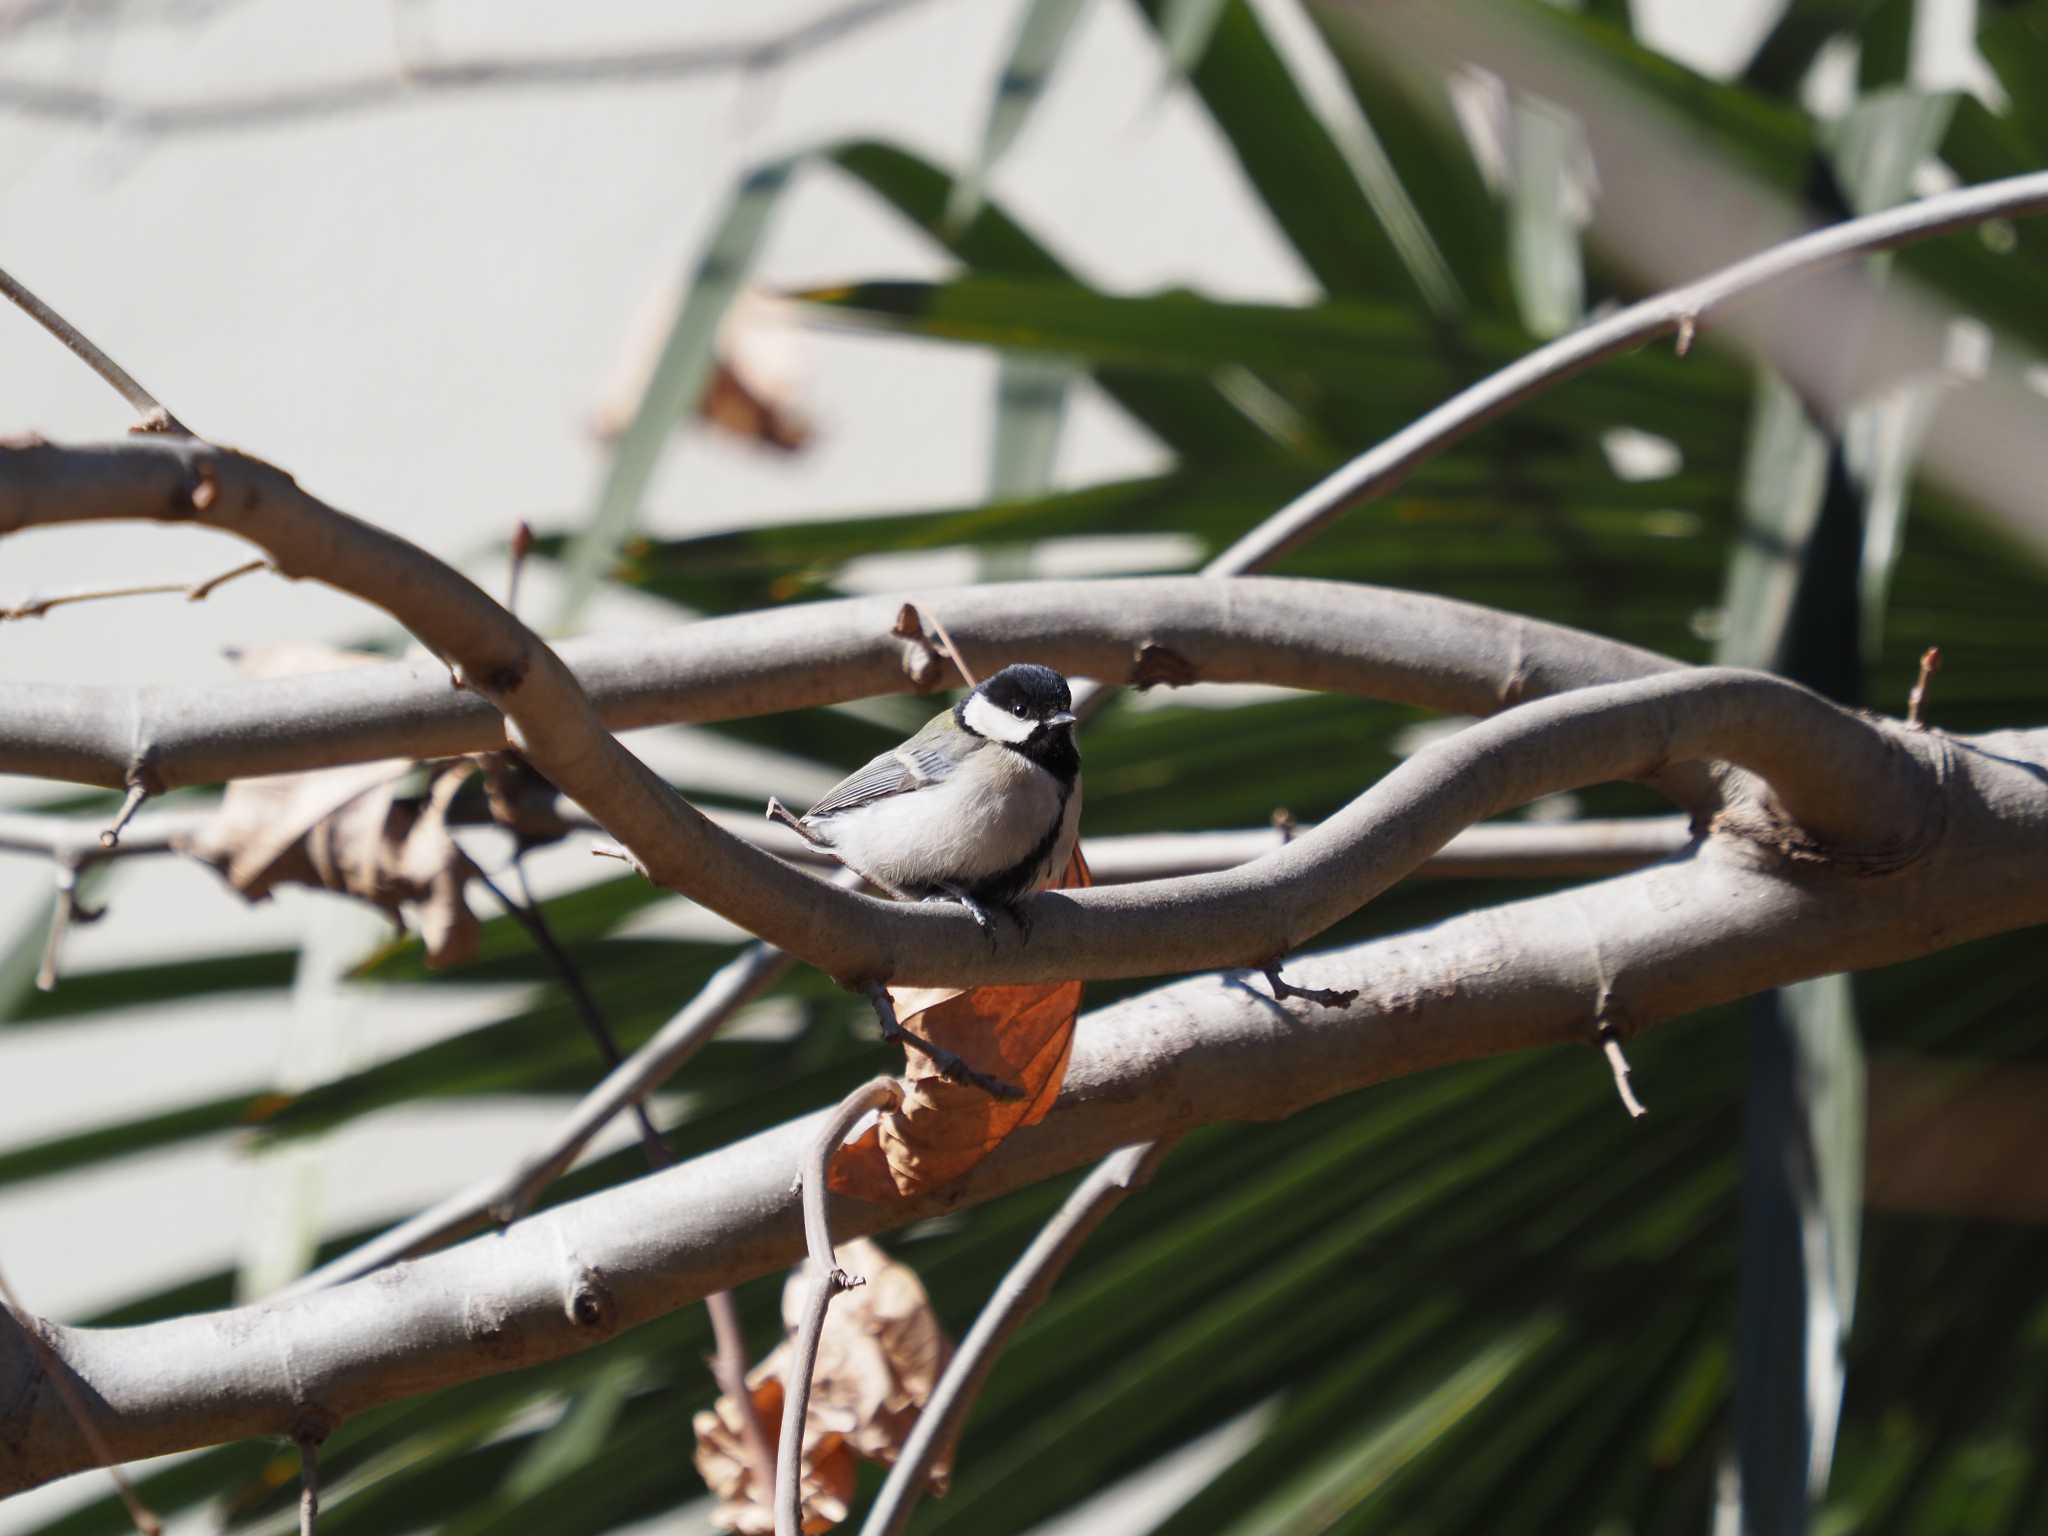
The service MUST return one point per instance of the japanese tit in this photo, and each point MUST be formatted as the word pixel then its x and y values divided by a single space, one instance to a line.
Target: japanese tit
pixel 982 805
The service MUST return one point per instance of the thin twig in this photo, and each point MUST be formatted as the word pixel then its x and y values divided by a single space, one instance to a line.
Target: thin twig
pixel 827 1281
pixel 309 1481
pixel 1021 1292
pixel 200 591
pixel 1679 310
pixel 952 650
pixel 78 837
pixel 1617 1062
pixel 1492 851
pixel 735 984
pixel 648 64
pixel 138 791
pixel 146 405
pixel 729 1369
pixel 535 923
pixel 193 592
pixel 66 911
pixel 729 1363
pixel 59 1376
pixel 522 546
pixel 1930 663
pixel 949 1064
pixel 625 856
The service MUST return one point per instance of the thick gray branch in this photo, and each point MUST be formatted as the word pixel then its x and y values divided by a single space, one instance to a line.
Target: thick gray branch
pixel 1569 849
pixel 1730 919
pixel 1329 636
pixel 1853 785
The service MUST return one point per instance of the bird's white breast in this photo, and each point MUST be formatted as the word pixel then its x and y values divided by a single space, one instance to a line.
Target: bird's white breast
pixel 968 827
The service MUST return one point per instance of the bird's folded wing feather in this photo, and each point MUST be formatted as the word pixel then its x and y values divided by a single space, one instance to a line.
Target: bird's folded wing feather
pixel 895 772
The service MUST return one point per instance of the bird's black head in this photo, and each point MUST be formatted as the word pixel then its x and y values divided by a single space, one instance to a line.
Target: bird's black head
pixel 1028 692
pixel 1027 707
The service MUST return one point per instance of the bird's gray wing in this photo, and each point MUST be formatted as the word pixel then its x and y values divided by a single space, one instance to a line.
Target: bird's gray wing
pixel 895 772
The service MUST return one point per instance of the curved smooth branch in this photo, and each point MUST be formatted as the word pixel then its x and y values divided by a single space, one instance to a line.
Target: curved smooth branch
pixel 1726 921
pixel 1853 785
pixel 1336 637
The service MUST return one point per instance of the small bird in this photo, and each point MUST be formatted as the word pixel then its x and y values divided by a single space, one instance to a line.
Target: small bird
pixel 982 806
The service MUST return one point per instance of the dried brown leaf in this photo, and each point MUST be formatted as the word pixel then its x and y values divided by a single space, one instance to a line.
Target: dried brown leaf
pixel 879 1357
pixel 756 375
pixel 346 830
pixel 728 1471
pixel 1020 1035
pixel 521 798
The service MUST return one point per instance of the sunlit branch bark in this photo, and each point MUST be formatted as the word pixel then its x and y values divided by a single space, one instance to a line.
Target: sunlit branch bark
pixel 1545 850
pixel 1849 783
pixel 1728 920
pixel 75 341
pixel 1534 852
pixel 1029 1281
pixel 1435 653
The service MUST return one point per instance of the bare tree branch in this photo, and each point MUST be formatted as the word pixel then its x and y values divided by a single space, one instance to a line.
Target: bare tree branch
pixel 1677 311
pixel 67 909
pixel 827 1281
pixel 147 406
pixel 1731 919
pixel 729 1369
pixel 1529 850
pixel 309 1482
pixel 506 1197
pixel 1029 1281
pixel 140 1515
pixel 1842 785
pixel 1332 637
pixel 192 591
pixel 1515 851
pixel 650 64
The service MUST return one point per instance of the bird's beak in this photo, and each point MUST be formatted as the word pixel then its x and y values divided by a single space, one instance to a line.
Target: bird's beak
pixel 1064 717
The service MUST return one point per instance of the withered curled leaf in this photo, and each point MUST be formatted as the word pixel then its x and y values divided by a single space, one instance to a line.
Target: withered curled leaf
pixel 879 1357
pixel 727 1470
pixel 757 370
pixel 346 830
pixel 1022 1035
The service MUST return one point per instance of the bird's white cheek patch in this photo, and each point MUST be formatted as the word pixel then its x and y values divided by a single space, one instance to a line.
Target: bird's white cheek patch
pixel 985 719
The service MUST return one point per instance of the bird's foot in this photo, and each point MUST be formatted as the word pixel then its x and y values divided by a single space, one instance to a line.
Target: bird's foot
pixel 975 910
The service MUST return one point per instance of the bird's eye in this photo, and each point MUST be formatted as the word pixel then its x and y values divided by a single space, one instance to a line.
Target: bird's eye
pixel 1017 710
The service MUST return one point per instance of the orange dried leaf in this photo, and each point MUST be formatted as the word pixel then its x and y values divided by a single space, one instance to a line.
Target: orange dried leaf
pixel 728 1471
pixel 879 1357
pixel 1020 1035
